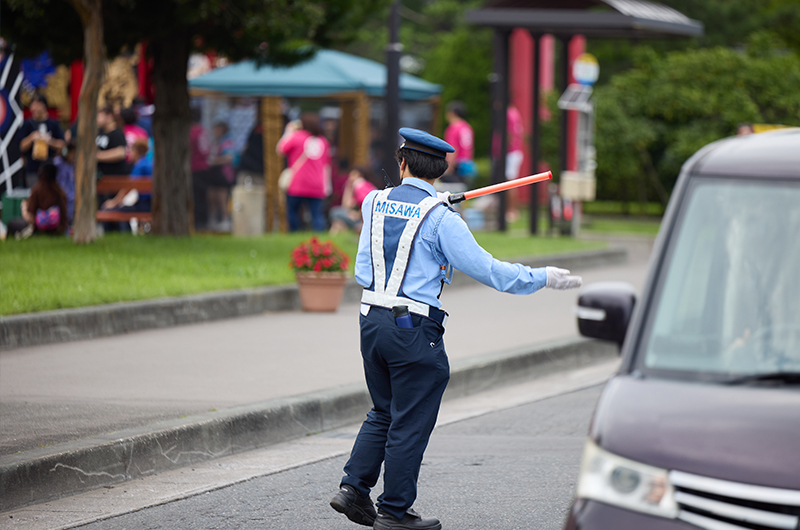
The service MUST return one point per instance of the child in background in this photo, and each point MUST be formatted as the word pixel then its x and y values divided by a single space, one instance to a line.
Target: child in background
pixel 348 215
pixel 45 211
pixel 221 176
pixel 132 200
pixel 131 131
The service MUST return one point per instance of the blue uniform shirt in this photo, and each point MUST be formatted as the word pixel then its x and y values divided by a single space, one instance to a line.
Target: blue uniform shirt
pixel 444 238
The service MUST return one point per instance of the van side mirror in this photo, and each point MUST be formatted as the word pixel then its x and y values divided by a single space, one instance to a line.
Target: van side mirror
pixel 604 310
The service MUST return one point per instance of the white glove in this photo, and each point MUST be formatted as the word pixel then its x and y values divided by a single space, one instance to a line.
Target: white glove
pixel 443 196
pixel 560 279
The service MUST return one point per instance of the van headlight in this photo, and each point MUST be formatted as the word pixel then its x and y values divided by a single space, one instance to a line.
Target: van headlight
pixel 617 481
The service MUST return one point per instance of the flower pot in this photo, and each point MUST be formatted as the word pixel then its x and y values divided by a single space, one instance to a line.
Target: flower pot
pixel 321 291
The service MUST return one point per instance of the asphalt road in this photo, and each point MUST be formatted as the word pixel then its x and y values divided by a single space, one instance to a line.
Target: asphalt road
pixel 511 469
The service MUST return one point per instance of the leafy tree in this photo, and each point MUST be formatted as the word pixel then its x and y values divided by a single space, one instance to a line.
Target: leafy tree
pixel 94 53
pixel 656 106
pixel 784 20
pixel 58 26
pixel 271 31
pixel 461 63
pixel 652 118
pixel 727 23
pixel 450 52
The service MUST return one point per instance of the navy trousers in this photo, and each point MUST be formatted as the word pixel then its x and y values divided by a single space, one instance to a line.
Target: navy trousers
pixel 406 371
pixel 293 213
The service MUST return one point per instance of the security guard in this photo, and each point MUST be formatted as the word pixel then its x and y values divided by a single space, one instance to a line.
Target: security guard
pixel 410 239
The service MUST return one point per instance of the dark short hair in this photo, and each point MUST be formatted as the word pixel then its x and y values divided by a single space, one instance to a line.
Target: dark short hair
pixel 223 125
pixel 47 172
pixel 128 116
pixel 311 123
pixel 365 172
pixel 421 164
pixel 458 109
pixel 40 98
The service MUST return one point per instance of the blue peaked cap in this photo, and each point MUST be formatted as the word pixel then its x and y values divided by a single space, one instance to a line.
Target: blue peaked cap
pixel 424 142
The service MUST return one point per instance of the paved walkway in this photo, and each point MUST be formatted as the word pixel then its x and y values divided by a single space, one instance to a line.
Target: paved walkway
pixel 61 392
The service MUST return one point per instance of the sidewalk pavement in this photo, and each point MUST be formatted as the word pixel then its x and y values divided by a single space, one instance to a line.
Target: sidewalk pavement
pixel 58 398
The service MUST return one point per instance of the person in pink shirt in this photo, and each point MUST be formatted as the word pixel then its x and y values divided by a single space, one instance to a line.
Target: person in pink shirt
pixel 460 164
pixel 516 133
pixel 199 147
pixel 514 157
pixel 308 154
pixel 348 215
pixel 131 131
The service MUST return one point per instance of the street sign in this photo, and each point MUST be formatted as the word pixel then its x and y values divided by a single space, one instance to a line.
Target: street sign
pixel 586 69
pixel 576 97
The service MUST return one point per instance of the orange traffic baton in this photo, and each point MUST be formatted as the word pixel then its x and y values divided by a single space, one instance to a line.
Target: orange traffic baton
pixel 455 198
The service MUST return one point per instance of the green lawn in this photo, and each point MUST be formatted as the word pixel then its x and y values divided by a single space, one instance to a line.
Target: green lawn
pixel 621 225
pixel 43 273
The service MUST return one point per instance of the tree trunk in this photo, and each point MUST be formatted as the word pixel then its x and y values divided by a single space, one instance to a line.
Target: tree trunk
pixel 94 56
pixel 173 207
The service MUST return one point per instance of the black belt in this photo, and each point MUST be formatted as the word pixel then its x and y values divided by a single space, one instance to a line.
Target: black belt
pixel 437 315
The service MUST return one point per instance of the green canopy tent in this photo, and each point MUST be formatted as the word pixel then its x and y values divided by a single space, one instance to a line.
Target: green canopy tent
pixel 329 72
pixel 352 81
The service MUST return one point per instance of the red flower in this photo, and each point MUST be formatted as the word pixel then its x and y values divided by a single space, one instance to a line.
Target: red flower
pixel 318 257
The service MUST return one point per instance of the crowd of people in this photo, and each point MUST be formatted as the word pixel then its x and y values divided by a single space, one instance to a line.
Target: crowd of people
pixel 321 192
pixel 124 147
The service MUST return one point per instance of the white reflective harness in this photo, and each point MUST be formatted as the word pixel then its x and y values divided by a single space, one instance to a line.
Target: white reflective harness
pixel 386 294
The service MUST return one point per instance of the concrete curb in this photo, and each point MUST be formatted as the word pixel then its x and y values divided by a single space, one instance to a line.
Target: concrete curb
pixel 66 469
pixel 31 329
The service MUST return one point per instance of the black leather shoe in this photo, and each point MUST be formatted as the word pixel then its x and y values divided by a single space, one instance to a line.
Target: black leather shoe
pixel 358 509
pixel 410 521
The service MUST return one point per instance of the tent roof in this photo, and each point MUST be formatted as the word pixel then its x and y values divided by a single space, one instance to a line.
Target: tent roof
pixel 592 18
pixel 327 72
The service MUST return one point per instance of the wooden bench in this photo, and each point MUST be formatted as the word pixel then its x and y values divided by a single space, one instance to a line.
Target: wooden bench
pixel 111 185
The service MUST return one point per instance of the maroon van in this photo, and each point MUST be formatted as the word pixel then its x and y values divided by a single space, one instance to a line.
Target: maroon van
pixel 701 426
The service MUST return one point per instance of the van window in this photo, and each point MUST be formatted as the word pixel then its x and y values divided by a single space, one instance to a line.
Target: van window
pixel 728 300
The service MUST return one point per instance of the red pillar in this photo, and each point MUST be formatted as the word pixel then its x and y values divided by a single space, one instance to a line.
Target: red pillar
pixel 577 46
pixel 75 84
pixel 521 90
pixel 522 49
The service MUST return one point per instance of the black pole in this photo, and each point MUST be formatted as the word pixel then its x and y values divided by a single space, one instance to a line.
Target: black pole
pixel 533 207
pixel 562 143
pixel 564 79
pixel 392 101
pixel 500 106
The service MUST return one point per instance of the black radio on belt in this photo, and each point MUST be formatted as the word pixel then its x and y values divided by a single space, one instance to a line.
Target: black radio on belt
pixel 402 317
